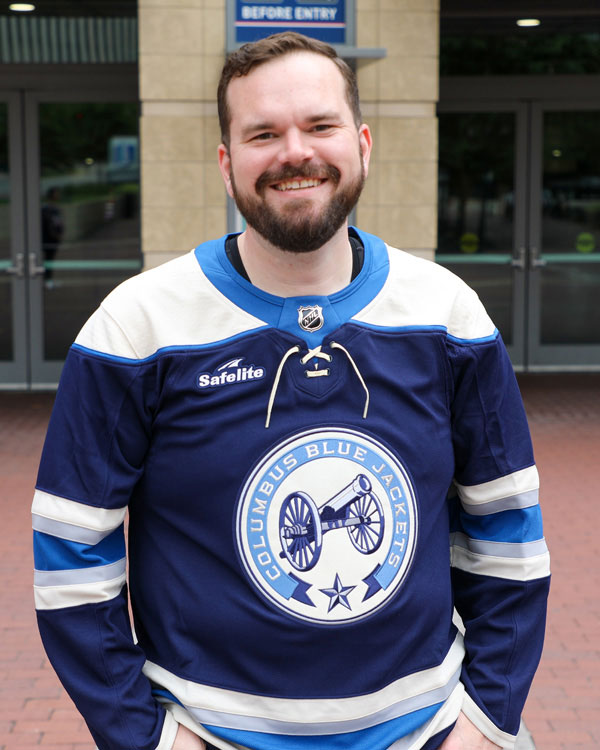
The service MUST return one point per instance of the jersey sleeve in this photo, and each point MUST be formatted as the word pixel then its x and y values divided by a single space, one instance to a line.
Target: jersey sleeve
pixel 499 558
pixel 92 458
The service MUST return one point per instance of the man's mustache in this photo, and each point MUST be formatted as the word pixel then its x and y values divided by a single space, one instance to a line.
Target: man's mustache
pixel 302 172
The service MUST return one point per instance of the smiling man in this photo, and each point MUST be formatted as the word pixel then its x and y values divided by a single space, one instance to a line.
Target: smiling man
pixel 323 452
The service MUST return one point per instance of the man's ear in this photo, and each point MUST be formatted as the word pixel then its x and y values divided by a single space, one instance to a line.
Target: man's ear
pixel 366 144
pixel 225 167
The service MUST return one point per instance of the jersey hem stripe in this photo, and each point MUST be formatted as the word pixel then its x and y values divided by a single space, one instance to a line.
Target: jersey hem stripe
pixel 245 710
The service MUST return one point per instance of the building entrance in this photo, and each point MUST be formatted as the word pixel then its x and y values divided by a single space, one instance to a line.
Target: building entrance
pixel 69 221
pixel 519 211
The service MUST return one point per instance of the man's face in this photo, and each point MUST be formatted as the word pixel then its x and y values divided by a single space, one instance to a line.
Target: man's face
pixel 296 162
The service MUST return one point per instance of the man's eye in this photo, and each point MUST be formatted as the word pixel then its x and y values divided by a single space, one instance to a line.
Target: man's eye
pixel 321 128
pixel 263 136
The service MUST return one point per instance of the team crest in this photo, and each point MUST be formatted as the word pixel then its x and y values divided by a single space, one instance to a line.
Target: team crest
pixel 310 318
pixel 326 526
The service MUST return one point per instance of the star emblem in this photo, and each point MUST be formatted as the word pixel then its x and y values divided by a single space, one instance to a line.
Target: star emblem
pixel 338 594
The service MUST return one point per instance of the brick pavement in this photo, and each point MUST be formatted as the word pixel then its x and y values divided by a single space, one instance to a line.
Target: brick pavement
pixel 563 711
pixel 35 712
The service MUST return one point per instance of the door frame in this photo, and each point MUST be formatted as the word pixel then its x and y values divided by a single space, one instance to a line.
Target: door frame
pixel 13 373
pixel 529 97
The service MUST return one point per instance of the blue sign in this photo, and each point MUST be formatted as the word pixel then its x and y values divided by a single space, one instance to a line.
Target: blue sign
pixel 325 20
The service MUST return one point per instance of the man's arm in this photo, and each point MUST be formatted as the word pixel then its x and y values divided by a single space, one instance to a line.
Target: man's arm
pixel 500 566
pixel 92 459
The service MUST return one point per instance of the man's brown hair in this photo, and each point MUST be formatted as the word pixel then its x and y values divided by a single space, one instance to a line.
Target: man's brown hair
pixel 253 54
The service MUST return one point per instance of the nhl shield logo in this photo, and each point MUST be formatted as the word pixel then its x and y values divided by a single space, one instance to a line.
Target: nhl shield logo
pixel 310 318
pixel 326 526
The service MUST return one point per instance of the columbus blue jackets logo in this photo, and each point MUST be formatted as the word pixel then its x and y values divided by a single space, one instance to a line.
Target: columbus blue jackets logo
pixel 326 526
pixel 310 317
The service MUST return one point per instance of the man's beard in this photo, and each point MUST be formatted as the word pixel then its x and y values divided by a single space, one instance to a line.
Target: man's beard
pixel 297 228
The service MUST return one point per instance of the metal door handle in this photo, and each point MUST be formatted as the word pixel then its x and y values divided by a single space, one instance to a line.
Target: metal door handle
pixel 18 269
pixel 34 269
pixel 536 260
pixel 519 261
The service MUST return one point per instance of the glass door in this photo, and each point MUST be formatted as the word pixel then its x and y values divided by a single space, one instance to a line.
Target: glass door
pixel 519 220
pixel 13 308
pixel 83 198
pixel 69 222
pixel 564 275
pixel 482 204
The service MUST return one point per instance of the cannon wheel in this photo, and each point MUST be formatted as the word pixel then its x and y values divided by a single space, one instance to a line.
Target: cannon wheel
pixel 368 535
pixel 299 510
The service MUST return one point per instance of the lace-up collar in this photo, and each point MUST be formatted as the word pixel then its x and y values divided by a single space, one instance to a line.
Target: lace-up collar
pixel 314 354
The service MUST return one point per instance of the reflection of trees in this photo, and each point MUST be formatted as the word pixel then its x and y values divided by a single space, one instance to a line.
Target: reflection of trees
pixel 3 138
pixel 572 166
pixel 477 166
pixel 71 132
pixel 532 52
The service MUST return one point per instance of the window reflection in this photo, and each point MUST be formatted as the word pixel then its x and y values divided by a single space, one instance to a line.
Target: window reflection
pixel 476 182
pixel 6 341
pixel 570 283
pixel 571 182
pixel 89 195
pixel 476 206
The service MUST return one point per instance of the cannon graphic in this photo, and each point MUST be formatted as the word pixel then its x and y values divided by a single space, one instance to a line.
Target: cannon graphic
pixel 302 524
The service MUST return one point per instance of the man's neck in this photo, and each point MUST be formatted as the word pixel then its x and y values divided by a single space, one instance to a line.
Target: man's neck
pixel 320 272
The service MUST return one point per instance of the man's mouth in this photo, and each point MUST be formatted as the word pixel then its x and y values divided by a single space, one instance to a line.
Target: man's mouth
pixel 298 184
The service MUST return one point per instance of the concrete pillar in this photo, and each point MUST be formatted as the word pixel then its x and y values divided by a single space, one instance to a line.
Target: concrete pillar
pixel 181 53
pixel 398 98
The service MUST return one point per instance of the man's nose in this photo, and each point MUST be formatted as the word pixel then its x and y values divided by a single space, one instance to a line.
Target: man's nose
pixel 296 147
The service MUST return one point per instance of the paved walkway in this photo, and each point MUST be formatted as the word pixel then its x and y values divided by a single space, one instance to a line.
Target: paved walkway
pixel 563 711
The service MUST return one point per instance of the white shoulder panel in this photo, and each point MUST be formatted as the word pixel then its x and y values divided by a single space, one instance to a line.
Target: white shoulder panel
pixel 421 293
pixel 171 305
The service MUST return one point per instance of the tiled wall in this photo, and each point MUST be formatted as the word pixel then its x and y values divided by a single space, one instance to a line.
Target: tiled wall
pixel 182 45
pixel 398 95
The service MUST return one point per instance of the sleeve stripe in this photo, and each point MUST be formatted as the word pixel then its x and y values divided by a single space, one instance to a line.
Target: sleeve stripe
pixel 514 502
pixel 510 568
pixel 62 510
pixel 74 595
pixel 81 575
pixel 512 526
pixel 68 531
pixel 512 485
pixel 53 553
pixel 499 549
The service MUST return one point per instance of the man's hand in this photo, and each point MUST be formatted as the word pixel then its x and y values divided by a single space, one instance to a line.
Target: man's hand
pixel 466 736
pixel 186 740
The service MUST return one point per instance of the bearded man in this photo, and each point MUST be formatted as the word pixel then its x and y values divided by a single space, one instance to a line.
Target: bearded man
pixel 323 452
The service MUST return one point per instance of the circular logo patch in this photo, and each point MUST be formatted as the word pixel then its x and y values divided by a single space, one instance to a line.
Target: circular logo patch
pixel 326 526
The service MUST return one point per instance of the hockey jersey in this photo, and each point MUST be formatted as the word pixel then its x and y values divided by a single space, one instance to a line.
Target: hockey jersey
pixel 282 468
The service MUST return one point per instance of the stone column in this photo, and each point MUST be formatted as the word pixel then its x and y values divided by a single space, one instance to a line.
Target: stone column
pixel 181 53
pixel 398 97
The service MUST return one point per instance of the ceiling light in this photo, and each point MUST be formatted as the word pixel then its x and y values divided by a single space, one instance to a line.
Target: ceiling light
pixel 528 22
pixel 22 7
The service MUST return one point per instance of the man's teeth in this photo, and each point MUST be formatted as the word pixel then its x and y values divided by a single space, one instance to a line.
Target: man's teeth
pixel 297 184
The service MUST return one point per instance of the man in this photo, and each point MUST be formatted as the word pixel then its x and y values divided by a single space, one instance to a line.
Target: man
pixel 283 412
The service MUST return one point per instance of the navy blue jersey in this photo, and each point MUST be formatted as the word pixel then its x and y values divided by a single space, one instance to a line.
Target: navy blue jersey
pixel 312 485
